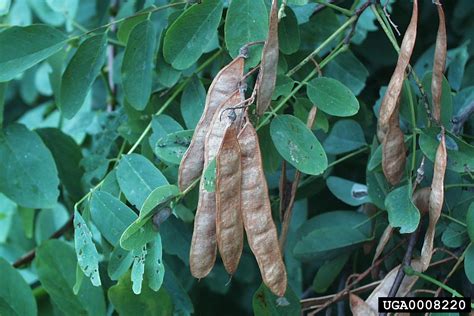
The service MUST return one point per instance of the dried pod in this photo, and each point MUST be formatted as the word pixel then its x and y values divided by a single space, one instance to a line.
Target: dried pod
pixel 391 98
pixel 223 86
pixel 229 226
pixel 439 64
pixel 435 201
pixel 203 245
pixel 359 307
pixel 257 214
pixel 269 65
pixel 393 152
pixel 421 199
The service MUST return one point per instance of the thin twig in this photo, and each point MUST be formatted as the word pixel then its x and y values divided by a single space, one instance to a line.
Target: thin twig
pixel 406 262
pixel 289 209
pixel 110 58
pixel 336 297
pixel 385 11
pixel 455 267
pixel 30 255
pixel 357 13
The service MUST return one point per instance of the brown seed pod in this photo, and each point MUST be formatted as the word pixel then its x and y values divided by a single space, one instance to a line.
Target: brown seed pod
pixel 229 226
pixel 435 201
pixel 391 98
pixel 223 86
pixel 393 152
pixel 439 64
pixel 269 65
pixel 421 199
pixel 257 214
pixel 203 245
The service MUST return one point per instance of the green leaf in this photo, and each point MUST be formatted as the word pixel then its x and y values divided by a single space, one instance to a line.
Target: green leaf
pixel 119 263
pixel 265 303
pixel 80 74
pixel 7 211
pixel 67 155
pixel 3 90
pixel 138 269
pixel 469 263
pixel 176 237
pixel 138 177
pixel 210 177
pixel 154 267
pixel 334 230
pixel 246 21
pixel 283 86
pixel 189 35
pixel 470 221
pixel 454 235
pixel 137 65
pixel 349 71
pixel 4 7
pixel 147 303
pixel 27 216
pixel 162 125
pixel 332 97
pixel 376 159
pixel 298 145
pixel 349 192
pixel 401 210
pixel 157 198
pixel 328 273
pixel 24 47
pixel 55 263
pixel 459 152
pixel 172 147
pixel 126 27
pixel 345 136
pixel 29 175
pixel 86 252
pixel 110 216
pixel 289 33
pixel 271 159
pixel 192 102
pixel 137 235
pixel 16 297
pixel 180 297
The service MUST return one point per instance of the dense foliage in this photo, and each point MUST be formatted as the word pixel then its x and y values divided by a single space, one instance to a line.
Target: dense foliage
pixel 100 99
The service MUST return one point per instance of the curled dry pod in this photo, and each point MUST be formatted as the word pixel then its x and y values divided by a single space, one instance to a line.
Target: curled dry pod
pixel 203 244
pixel 257 214
pixel 393 152
pixel 390 100
pixel 435 201
pixel 439 64
pixel 421 199
pixel 229 226
pixel 269 65
pixel 222 87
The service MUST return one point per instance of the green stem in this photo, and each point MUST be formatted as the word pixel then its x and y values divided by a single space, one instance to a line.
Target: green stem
pixel 171 99
pixel 323 44
pixel 350 155
pixel 459 185
pixel 410 271
pixel 413 124
pixel 390 35
pixel 86 31
pixel 335 7
pixel 301 84
pixel 453 219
